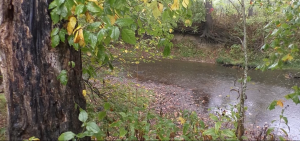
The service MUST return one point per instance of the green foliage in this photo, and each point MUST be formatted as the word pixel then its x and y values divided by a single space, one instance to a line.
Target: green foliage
pixel 62 77
pixel 294 96
pixel 282 35
pixel 95 26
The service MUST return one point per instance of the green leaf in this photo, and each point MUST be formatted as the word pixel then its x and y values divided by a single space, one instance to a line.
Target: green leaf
pixel 62 35
pixel 54 17
pixel 294 97
pixel 228 133
pixel 167 51
pixel 54 32
pixel 213 117
pixel 92 7
pixel 270 130
pixel 123 132
pixel 124 22
pixel 274 32
pixel 155 11
pixel 66 136
pixel 217 126
pixel 116 124
pixel 115 33
pixel 285 120
pixel 62 77
pixel 83 116
pixel 69 4
pixel 281 138
pixel 284 131
pixel 59 2
pixel 272 105
pixel 79 9
pixel 210 131
pixel 101 34
pixel 101 115
pixel 52 5
pixel 55 41
pixel 72 64
pixel 185 128
pixel 106 106
pixel 202 124
pixel 90 38
pixel 128 36
pixel 92 126
pixel 63 11
pixel 123 114
pixel 265 46
pixel 94 26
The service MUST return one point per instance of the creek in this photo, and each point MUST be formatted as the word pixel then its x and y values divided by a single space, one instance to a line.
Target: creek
pixel 211 85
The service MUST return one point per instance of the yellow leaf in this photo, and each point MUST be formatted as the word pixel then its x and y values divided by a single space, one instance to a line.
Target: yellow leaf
pixel 81 34
pixel 112 19
pixel 159 21
pixel 81 37
pixel 175 5
pixel 160 7
pixel 76 38
pixel 33 139
pixel 280 103
pixel 287 57
pixel 84 92
pixel 170 30
pixel 279 25
pixel 88 17
pixel 181 119
pixel 71 25
pixel 185 3
pixel 126 51
pixel 76 29
pixel 145 1
pixel 73 9
pixel 187 22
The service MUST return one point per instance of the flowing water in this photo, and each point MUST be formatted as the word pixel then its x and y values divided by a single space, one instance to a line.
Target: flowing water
pixel 215 82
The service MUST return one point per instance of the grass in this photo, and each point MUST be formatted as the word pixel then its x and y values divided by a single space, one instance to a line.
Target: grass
pixel 2 116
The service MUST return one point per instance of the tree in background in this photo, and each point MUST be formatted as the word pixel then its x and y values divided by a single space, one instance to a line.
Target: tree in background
pixel 208 19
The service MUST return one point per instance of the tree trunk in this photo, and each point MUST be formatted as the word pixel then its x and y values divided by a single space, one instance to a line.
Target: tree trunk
pixel 208 19
pixel 38 104
pixel 240 127
pixel 250 10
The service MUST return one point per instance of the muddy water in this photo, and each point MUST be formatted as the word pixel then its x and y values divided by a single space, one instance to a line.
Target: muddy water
pixel 211 85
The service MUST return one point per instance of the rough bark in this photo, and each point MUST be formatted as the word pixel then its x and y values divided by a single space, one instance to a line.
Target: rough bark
pixel 38 104
pixel 208 19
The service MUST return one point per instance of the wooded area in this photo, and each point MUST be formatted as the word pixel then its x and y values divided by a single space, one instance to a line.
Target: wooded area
pixel 57 56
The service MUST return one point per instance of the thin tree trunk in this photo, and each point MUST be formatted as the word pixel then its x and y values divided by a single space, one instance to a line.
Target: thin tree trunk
pixel 38 104
pixel 250 10
pixel 240 127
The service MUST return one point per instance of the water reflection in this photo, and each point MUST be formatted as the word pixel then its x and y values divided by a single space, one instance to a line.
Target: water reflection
pixel 211 86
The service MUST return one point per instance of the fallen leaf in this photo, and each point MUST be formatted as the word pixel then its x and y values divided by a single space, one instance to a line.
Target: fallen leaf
pixel 280 103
